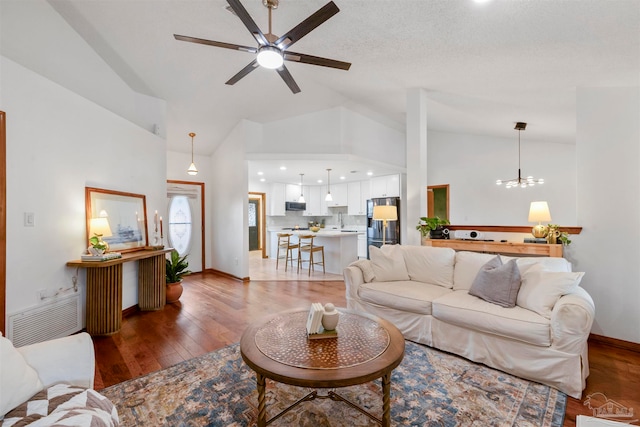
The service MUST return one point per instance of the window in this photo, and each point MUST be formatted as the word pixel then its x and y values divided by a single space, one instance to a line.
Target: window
pixel 180 226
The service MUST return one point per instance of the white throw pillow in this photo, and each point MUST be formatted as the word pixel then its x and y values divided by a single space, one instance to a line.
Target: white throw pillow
pixel 18 380
pixel 388 264
pixel 540 289
pixel 430 265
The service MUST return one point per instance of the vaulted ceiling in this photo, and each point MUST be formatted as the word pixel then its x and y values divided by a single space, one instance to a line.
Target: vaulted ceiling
pixel 484 65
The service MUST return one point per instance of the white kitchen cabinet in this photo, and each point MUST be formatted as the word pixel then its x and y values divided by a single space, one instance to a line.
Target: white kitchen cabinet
pixel 312 196
pixel 292 192
pixel 339 193
pixel 276 199
pixel 385 186
pixel 357 203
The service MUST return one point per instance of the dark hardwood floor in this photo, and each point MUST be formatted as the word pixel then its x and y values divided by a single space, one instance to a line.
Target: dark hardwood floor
pixel 214 310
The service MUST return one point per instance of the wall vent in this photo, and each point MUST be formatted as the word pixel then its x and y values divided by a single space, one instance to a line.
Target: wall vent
pixel 57 319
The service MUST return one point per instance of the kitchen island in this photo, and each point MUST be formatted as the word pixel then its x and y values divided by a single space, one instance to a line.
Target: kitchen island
pixel 340 246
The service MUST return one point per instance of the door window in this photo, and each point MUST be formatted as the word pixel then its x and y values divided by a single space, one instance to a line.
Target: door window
pixel 180 225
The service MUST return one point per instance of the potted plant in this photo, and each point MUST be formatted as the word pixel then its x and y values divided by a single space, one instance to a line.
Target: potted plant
pixel 176 267
pixel 431 227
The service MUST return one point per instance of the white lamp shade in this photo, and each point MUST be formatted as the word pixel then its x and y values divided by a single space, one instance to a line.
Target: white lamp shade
pixel 384 212
pixel 99 227
pixel 539 212
pixel 192 169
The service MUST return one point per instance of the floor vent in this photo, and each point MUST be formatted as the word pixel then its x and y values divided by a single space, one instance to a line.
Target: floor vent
pixel 57 319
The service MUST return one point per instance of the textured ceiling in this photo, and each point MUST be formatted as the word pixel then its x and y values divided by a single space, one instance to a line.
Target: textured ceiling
pixel 484 65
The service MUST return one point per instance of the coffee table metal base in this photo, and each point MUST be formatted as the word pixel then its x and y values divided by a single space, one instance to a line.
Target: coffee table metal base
pixel 385 421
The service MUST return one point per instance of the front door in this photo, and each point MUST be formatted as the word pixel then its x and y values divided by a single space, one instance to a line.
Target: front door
pixel 185 229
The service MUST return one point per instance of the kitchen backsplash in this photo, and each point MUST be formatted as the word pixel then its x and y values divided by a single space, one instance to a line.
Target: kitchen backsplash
pixel 293 218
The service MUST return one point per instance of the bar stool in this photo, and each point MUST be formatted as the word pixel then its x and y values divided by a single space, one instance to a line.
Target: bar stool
pixel 284 244
pixel 306 245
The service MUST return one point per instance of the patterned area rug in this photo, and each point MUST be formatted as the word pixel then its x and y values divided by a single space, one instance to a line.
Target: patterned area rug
pixel 429 388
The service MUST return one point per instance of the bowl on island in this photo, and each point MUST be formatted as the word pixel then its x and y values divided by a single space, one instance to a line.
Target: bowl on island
pixel 315 229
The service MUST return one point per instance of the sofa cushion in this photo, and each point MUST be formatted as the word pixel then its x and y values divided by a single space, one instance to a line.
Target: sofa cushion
pixel 430 265
pixel 464 310
pixel 497 283
pixel 63 404
pixel 18 380
pixel 388 263
pixel 547 263
pixel 407 295
pixel 367 270
pixel 541 289
pixel 466 269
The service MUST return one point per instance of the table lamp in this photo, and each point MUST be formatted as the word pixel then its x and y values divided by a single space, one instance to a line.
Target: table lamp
pixel 99 227
pixel 539 212
pixel 385 213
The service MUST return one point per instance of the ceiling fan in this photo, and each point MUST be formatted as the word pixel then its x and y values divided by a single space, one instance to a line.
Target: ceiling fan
pixel 272 50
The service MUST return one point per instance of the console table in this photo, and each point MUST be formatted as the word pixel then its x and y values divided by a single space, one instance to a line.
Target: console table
pixel 511 248
pixel 104 288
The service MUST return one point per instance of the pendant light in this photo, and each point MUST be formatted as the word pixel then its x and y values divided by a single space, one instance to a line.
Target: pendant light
pixel 301 199
pixel 192 167
pixel 328 198
pixel 519 181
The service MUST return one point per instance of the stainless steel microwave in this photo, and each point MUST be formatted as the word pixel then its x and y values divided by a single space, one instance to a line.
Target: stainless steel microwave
pixel 294 206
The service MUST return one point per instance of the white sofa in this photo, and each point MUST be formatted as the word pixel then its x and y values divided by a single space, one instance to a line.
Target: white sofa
pixel 424 291
pixel 52 383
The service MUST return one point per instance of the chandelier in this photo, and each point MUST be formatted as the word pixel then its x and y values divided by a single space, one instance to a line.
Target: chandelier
pixel 520 181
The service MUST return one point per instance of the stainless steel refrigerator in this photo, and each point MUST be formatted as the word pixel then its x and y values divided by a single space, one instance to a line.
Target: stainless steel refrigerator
pixel 375 228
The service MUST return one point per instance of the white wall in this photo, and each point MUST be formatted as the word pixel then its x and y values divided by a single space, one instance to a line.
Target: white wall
pixel 472 163
pixel 608 249
pixel 57 143
pixel 229 194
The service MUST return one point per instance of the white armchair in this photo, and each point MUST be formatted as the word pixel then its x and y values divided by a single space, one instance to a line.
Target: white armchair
pixel 51 369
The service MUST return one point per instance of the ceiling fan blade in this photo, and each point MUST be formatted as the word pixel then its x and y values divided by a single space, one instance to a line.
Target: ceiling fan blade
pixel 288 79
pixel 248 21
pixel 316 60
pixel 308 25
pixel 215 43
pixel 240 74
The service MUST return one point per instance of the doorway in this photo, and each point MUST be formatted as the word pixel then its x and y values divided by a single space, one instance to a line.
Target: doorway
pixel 438 201
pixel 257 222
pixel 185 233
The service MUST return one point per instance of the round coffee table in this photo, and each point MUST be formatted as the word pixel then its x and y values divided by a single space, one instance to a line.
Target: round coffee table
pixel 366 348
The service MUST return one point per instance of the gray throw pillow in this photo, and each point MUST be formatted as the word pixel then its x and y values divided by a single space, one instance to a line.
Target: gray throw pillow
pixel 497 283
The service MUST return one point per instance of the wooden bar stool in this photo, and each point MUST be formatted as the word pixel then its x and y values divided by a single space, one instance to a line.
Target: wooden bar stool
pixel 306 245
pixel 285 245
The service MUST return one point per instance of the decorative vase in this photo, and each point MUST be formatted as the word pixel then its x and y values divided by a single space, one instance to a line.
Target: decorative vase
pixel 330 317
pixel 174 291
pixel 424 240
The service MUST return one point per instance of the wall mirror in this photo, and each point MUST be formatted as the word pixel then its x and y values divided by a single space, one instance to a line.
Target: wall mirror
pixel 126 215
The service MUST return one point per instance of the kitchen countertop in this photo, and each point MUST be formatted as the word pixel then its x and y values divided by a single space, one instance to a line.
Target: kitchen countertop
pixel 324 232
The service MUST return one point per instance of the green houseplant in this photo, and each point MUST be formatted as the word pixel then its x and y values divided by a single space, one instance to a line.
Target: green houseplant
pixel 175 269
pixel 428 224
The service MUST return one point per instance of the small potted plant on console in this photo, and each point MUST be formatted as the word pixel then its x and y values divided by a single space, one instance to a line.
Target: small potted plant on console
pixel 431 227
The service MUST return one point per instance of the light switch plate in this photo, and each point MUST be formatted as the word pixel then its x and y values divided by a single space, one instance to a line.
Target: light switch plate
pixel 29 219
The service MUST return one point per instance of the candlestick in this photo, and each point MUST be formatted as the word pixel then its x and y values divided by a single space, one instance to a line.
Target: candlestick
pixel 155 221
pixel 161 234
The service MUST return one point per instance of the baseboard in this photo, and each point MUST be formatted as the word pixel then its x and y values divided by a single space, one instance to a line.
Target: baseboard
pixel 614 342
pixel 130 310
pixel 231 276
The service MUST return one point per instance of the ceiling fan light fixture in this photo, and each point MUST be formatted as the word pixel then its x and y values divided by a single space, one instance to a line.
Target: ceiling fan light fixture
pixel 270 57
